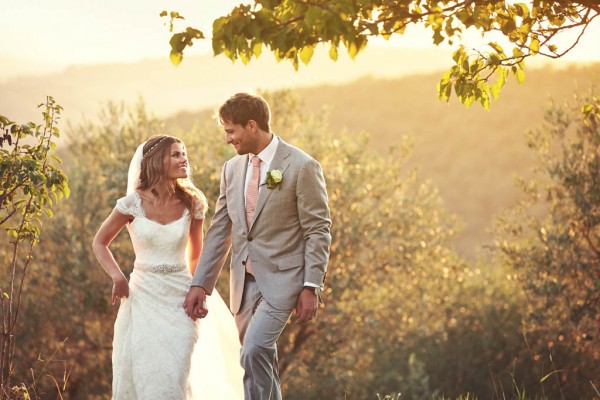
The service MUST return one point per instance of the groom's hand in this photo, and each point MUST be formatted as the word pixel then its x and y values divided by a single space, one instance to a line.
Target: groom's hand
pixel 306 307
pixel 195 303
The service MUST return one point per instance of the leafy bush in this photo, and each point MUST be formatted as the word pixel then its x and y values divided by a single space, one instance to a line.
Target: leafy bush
pixel 31 184
pixel 403 312
pixel 552 242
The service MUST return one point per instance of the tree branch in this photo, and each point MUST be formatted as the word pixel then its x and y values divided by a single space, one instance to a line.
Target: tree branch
pixel 8 215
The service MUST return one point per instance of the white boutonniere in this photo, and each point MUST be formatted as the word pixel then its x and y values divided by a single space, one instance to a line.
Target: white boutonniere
pixel 274 178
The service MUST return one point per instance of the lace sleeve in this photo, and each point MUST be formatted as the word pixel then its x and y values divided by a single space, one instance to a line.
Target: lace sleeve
pixel 200 206
pixel 129 205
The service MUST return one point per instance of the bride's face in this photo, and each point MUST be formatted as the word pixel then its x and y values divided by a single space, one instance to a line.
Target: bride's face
pixel 175 162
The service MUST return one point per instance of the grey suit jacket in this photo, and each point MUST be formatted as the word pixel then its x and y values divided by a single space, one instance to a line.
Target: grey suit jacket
pixel 288 240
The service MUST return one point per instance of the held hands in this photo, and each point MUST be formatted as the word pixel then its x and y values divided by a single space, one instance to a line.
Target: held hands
pixel 195 303
pixel 306 308
pixel 120 289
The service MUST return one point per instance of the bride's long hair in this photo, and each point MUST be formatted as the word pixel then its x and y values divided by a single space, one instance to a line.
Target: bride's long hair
pixel 153 173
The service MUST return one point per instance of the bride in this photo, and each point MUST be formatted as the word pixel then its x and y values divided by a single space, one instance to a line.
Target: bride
pixel 158 351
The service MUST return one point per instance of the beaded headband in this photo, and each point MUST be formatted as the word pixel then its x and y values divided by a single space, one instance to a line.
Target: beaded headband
pixel 154 146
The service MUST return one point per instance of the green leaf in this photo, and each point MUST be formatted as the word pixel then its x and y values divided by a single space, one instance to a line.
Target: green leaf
pixel 306 54
pixel 244 57
pixel 508 26
pixel 548 375
pixel 493 59
pixel 587 109
pixel 352 49
pixel 520 75
pixel 257 49
pixel 448 91
pixel 176 58
pixel 459 87
pixel 465 64
pixel 333 52
pixel 534 46
pixel 558 20
pixel 484 99
pixel 517 52
pixel 437 37
pixel 468 100
pixel 457 54
pixel 522 10
pixel 495 90
pixel 444 86
pixel 278 55
pixel 312 15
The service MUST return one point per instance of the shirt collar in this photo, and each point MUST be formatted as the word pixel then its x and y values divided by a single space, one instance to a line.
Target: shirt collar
pixel 266 156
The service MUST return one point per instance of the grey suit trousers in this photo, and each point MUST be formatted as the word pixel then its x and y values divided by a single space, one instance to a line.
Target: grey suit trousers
pixel 259 325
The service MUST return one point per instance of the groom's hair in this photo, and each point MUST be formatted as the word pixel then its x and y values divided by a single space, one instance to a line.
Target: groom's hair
pixel 243 107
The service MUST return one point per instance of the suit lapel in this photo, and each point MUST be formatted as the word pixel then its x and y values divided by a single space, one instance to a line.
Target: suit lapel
pixel 281 162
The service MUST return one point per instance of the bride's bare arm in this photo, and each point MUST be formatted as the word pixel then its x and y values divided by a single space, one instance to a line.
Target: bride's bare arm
pixel 195 243
pixel 108 231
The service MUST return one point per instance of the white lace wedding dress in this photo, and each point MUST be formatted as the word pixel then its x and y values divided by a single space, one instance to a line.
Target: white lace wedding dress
pixel 159 353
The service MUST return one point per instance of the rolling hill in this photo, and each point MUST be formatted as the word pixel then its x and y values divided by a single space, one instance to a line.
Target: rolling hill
pixel 472 155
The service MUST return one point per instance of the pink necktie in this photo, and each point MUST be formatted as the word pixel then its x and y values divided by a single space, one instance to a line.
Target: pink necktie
pixel 251 197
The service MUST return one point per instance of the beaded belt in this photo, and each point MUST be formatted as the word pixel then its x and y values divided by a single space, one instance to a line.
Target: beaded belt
pixel 160 268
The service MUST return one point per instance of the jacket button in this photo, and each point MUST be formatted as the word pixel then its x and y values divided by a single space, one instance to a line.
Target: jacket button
pixel 249 238
pixel 244 262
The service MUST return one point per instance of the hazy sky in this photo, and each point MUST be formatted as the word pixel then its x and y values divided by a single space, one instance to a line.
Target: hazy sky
pixel 58 33
pixel 87 31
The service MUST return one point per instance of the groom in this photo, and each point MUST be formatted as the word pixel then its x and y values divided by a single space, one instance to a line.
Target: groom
pixel 272 212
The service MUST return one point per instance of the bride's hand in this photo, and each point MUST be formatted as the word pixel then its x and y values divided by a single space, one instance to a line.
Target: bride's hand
pixel 120 289
pixel 195 303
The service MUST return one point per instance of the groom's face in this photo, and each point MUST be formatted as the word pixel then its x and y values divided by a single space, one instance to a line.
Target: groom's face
pixel 242 138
